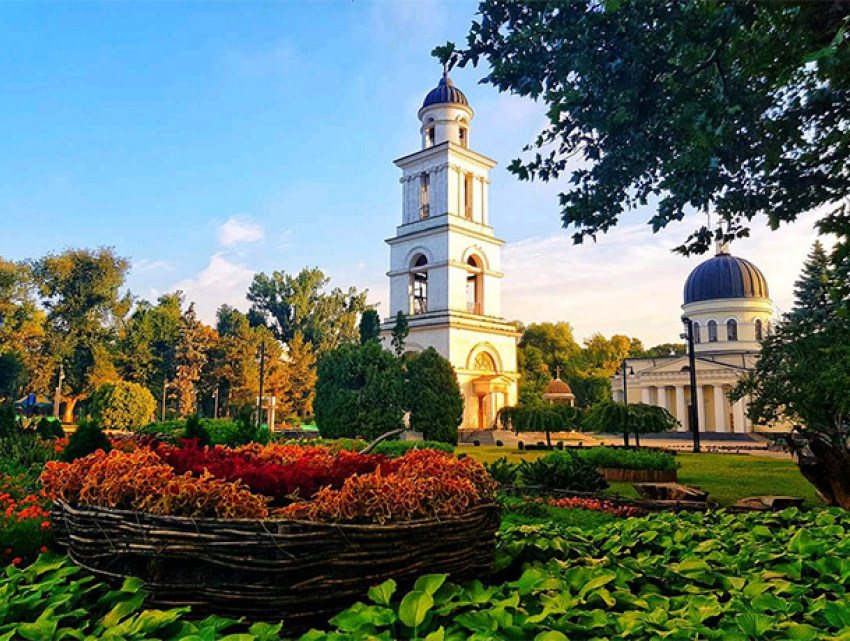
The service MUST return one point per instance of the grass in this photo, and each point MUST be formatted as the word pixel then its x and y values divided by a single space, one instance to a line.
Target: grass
pixel 726 477
pixel 520 512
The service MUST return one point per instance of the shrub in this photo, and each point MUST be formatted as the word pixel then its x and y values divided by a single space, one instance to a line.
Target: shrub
pixel 503 471
pixel 563 471
pixel 196 432
pixel 499 444
pixel 395 449
pixel 631 459
pixel 50 428
pixel 433 397
pixel 86 440
pixel 25 454
pixel 8 420
pixel 122 405
pixel 476 443
pixel 520 445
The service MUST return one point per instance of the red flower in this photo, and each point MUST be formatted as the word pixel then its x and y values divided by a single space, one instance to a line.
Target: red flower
pixel 16 560
pixel 45 525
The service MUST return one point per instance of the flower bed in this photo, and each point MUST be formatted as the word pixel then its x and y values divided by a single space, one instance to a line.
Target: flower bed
pixel 209 528
pixel 24 520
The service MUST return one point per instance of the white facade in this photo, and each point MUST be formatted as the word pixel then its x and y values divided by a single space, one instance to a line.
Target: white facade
pixel 445 263
pixel 727 330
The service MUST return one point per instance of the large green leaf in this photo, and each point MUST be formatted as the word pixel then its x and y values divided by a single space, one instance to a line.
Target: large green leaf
pixel 414 608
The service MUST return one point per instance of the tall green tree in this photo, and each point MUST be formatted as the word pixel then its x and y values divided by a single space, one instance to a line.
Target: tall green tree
pixel 370 326
pixel 433 397
pixel 301 376
pixel 400 332
pixel 302 303
pixel 81 292
pixel 738 108
pixel 190 357
pixel 813 291
pixel 634 418
pixel 22 331
pixel 802 378
pixel 359 392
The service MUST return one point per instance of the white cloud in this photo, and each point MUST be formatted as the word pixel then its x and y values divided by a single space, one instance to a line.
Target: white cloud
pixel 146 266
pixel 630 282
pixel 222 281
pixel 237 230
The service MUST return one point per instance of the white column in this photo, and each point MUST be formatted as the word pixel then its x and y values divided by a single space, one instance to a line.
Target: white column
pixel 662 397
pixel 701 408
pixel 646 395
pixel 738 415
pixel 681 408
pixel 721 423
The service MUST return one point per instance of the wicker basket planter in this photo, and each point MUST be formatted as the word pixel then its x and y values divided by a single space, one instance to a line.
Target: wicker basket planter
pixel 300 571
pixel 620 475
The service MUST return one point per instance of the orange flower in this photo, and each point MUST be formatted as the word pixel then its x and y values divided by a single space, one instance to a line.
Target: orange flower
pixel 45 525
pixel 16 560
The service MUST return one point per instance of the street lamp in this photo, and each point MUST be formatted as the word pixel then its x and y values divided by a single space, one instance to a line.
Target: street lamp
pixel 626 404
pixel 262 372
pixel 693 413
pixel 165 385
pixel 57 397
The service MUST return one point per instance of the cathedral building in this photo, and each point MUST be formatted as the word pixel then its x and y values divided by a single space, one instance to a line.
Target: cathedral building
pixel 727 300
pixel 445 259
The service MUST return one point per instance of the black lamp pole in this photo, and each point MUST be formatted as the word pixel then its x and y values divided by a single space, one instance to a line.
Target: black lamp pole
pixel 693 413
pixel 625 406
pixel 262 372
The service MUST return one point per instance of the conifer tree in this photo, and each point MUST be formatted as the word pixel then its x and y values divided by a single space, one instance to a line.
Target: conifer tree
pixel 812 291
pixel 301 375
pixel 401 329
pixel 433 397
pixel 370 326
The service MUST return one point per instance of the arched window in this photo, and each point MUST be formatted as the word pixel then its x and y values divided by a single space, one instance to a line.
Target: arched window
pixel 695 330
pixel 484 363
pixel 463 137
pixel 759 330
pixel 731 330
pixel 424 195
pixel 419 286
pixel 712 331
pixel 474 287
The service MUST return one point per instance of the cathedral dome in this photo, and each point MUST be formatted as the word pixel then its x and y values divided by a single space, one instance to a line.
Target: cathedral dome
pixel 445 93
pixel 725 276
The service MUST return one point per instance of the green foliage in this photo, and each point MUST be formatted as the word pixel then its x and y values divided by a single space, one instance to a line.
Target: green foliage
pixel 519 511
pixel 637 418
pixel 630 459
pixel 541 418
pixel 246 429
pixel 503 471
pixel 433 397
pixel 122 405
pixel 54 599
pixel 738 108
pixel 12 372
pixel 589 389
pixel 370 326
pixel 196 431
pixel 8 420
pixel 395 449
pixel 23 453
pixel 300 303
pixel 562 471
pixel 400 331
pixel 714 576
pixel 222 431
pixel 49 428
pixel 359 392
pixel 88 438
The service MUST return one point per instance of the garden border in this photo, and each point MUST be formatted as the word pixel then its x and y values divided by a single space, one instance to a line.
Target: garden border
pixel 265 569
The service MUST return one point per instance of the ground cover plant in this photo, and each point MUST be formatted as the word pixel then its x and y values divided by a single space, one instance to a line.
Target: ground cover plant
pixel 631 458
pixel 562 471
pixel 686 576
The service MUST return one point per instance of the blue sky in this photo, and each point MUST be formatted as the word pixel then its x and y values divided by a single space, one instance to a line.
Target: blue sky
pixel 207 141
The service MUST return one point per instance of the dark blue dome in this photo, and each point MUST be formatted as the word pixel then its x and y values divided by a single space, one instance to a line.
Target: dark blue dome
pixel 445 94
pixel 725 276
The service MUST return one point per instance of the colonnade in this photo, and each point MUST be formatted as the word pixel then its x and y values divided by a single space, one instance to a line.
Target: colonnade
pixel 725 417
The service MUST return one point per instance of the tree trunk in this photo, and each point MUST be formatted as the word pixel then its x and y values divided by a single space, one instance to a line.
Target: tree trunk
pixel 637 439
pixel 626 438
pixel 828 469
pixel 70 406
pixel 548 440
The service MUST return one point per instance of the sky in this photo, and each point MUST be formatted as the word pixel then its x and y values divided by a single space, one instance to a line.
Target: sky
pixel 208 141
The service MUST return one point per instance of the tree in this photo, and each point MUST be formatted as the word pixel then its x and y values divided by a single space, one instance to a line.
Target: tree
pixel 555 341
pixel 433 397
pixel 122 406
pixel 590 389
pixel 12 371
pixel 300 303
pixel 190 357
pixel 301 376
pixel 80 291
pixel 813 290
pixel 359 392
pixel 400 332
pixel 740 108
pixel 802 378
pixel 637 418
pixel 664 349
pixel 370 326
pixel 541 419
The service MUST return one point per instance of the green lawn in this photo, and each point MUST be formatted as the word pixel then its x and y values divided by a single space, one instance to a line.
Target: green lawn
pixel 726 477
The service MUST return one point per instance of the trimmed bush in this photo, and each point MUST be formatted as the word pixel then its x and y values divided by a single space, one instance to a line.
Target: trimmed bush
pixel 629 459
pixel 122 406
pixel 87 439
pixel 50 428
pixel 196 431
pixel 395 449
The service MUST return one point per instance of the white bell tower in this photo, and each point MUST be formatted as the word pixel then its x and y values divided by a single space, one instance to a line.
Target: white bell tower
pixel 445 259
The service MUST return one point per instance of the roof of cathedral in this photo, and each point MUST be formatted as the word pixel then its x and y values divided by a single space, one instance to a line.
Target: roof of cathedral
pixel 445 93
pixel 725 276
pixel 558 387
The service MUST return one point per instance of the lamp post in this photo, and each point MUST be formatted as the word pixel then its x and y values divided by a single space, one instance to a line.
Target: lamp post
pixel 626 405
pixel 57 397
pixel 215 399
pixel 693 413
pixel 262 372
pixel 164 388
